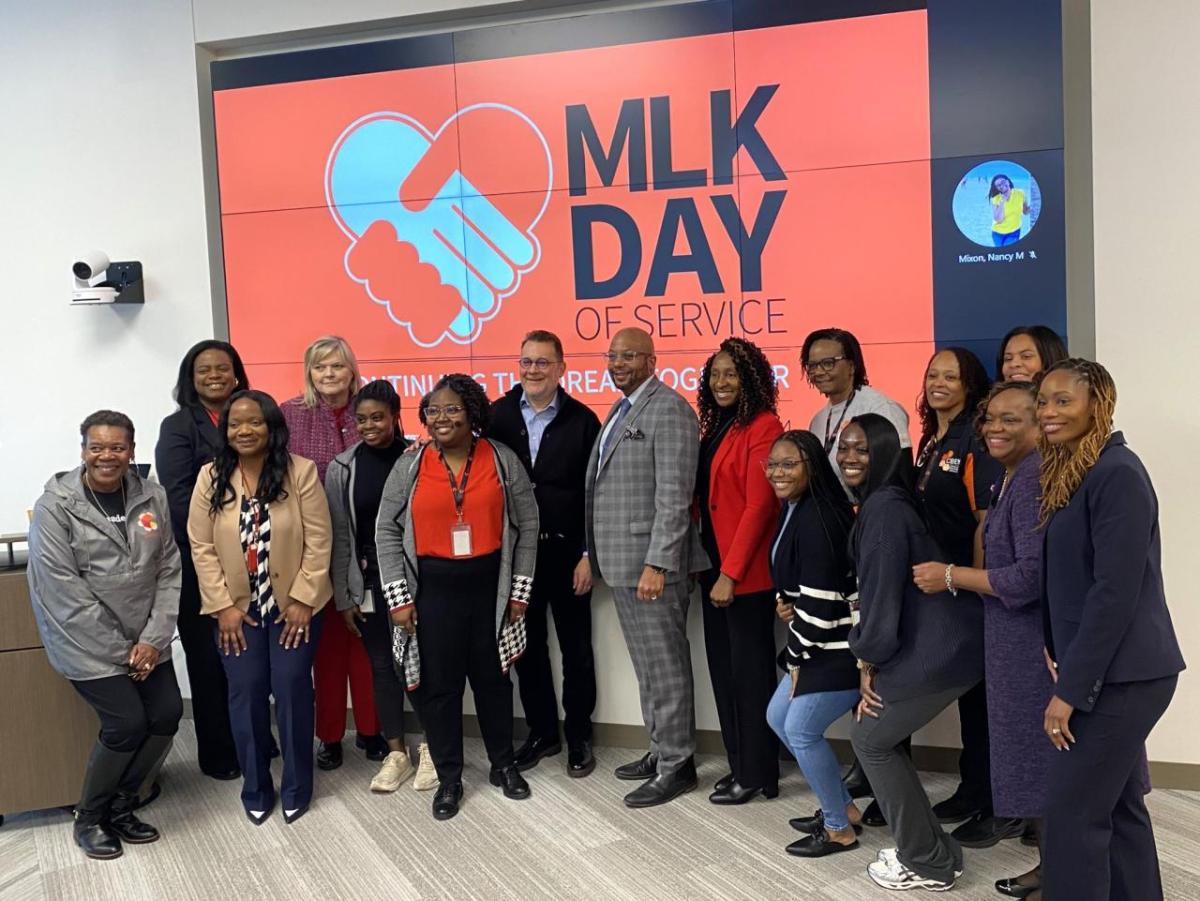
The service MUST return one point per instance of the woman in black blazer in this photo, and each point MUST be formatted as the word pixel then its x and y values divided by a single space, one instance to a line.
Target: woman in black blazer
pixel 210 372
pixel 1110 644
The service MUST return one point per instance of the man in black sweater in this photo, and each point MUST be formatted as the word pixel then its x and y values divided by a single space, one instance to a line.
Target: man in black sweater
pixel 553 435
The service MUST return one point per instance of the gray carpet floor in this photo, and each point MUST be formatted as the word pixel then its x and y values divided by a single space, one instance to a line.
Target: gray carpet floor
pixel 572 840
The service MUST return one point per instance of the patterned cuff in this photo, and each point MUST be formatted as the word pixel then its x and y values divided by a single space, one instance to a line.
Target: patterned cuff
pixel 522 588
pixel 397 594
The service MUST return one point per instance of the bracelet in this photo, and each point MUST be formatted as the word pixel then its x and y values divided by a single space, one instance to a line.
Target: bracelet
pixel 950 580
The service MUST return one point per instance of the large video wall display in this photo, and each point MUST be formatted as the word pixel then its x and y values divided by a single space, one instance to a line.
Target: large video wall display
pixel 758 169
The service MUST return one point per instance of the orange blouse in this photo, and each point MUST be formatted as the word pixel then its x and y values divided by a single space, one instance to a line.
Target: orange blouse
pixel 433 513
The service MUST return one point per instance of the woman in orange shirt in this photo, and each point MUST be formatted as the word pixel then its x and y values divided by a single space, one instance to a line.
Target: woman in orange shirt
pixel 456 541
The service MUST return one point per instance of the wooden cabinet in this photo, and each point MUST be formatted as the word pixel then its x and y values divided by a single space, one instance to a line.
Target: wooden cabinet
pixel 46 729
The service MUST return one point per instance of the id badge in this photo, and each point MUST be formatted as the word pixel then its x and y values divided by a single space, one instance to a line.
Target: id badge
pixel 460 539
pixel 368 601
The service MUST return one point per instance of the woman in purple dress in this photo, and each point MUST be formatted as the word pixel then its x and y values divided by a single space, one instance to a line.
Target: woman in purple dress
pixel 1018 682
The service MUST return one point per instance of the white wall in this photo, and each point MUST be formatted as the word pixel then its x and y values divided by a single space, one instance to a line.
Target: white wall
pixel 127 179
pixel 101 150
pixel 1146 140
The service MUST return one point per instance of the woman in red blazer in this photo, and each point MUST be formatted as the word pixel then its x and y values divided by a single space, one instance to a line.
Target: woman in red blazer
pixel 737 513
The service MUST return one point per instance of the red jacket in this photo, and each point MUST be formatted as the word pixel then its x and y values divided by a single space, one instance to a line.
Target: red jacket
pixel 742 504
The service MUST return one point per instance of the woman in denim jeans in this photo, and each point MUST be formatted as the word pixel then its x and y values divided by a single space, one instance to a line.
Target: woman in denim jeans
pixel 815 589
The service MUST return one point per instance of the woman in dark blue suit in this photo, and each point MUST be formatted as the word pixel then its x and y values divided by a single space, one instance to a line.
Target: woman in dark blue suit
pixel 1109 642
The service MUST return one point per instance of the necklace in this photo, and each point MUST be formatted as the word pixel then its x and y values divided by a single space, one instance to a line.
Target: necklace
pixel 1004 484
pixel 87 483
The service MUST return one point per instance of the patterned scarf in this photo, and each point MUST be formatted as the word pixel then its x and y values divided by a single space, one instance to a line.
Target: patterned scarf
pixel 255 532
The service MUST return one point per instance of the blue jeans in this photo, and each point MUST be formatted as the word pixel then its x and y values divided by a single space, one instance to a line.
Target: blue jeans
pixel 800 723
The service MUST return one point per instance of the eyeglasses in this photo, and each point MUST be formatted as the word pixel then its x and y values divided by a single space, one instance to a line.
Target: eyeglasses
pixel 625 356
pixel 541 364
pixel 770 466
pixel 825 365
pixel 437 412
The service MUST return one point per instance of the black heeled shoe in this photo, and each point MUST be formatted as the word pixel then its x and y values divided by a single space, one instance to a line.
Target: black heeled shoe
pixel 1014 889
pixel 294 815
pixel 723 783
pixel 873 816
pixel 739 794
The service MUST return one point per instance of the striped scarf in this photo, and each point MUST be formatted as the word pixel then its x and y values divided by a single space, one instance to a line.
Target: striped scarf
pixel 255 532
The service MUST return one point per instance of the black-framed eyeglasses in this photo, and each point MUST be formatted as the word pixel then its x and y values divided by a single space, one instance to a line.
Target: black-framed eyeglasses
pixel 541 364
pixel 825 365
pixel 625 356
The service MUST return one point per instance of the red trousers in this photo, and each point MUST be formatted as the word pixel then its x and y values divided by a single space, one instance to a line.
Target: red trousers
pixel 341 656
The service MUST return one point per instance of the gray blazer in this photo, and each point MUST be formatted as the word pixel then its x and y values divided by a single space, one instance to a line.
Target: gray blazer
pixel 347 577
pixel 396 545
pixel 95 593
pixel 639 496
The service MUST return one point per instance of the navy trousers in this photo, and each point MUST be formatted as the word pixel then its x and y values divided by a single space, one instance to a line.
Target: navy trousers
pixel 1098 843
pixel 263 670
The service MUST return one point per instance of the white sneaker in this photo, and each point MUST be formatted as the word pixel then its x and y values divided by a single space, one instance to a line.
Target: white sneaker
pixel 396 767
pixel 890 873
pixel 427 777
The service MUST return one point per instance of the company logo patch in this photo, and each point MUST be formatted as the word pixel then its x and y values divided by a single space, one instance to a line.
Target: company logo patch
pixel 148 522
pixel 427 240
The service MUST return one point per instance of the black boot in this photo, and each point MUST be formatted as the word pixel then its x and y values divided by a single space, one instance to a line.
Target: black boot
pixel 100 781
pixel 125 823
pixel 146 762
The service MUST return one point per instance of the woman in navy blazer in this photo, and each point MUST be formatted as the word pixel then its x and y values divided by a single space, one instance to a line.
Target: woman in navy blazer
pixel 210 372
pixel 737 510
pixel 1110 644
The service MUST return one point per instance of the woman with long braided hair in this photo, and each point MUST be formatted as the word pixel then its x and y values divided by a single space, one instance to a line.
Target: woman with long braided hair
pixel 1110 644
pixel 737 510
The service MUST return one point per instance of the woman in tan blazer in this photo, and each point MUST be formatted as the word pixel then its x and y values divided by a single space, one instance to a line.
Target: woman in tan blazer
pixel 260 535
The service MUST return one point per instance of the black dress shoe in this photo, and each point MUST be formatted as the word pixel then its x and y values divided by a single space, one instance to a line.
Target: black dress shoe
pixel 739 794
pixel 984 831
pixel 224 775
pixel 510 779
pixel 374 746
pixel 447 799
pixel 126 826
pixel 819 845
pixel 873 816
pixel 1014 888
pixel 533 750
pixel 580 761
pixel 856 782
pixel 955 809
pixel 329 755
pixel 723 783
pixel 643 768
pixel 816 823
pixel 97 840
pixel 663 787
pixel 300 811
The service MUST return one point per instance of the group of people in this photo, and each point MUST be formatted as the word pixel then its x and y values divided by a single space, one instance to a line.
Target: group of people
pixel 1012 566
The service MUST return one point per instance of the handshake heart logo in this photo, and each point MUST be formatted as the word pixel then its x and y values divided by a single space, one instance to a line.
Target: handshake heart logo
pixel 438 247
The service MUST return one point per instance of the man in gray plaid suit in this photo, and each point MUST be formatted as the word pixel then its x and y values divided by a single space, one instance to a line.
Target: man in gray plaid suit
pixel 641 541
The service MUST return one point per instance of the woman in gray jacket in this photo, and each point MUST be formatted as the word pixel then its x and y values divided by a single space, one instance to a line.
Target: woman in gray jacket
pixel 104 579
pixel 456 540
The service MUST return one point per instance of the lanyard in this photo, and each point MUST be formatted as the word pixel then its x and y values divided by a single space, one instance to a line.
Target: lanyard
pixel 459 489
pixel 831 436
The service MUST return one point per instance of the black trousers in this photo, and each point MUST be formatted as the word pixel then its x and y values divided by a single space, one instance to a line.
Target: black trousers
pixel 739 641
pixel 389 691
pixel 975 763
pixel 553 592
pixel 1098 842
pixel 456 632
pixel 215 750
pixel 132 711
